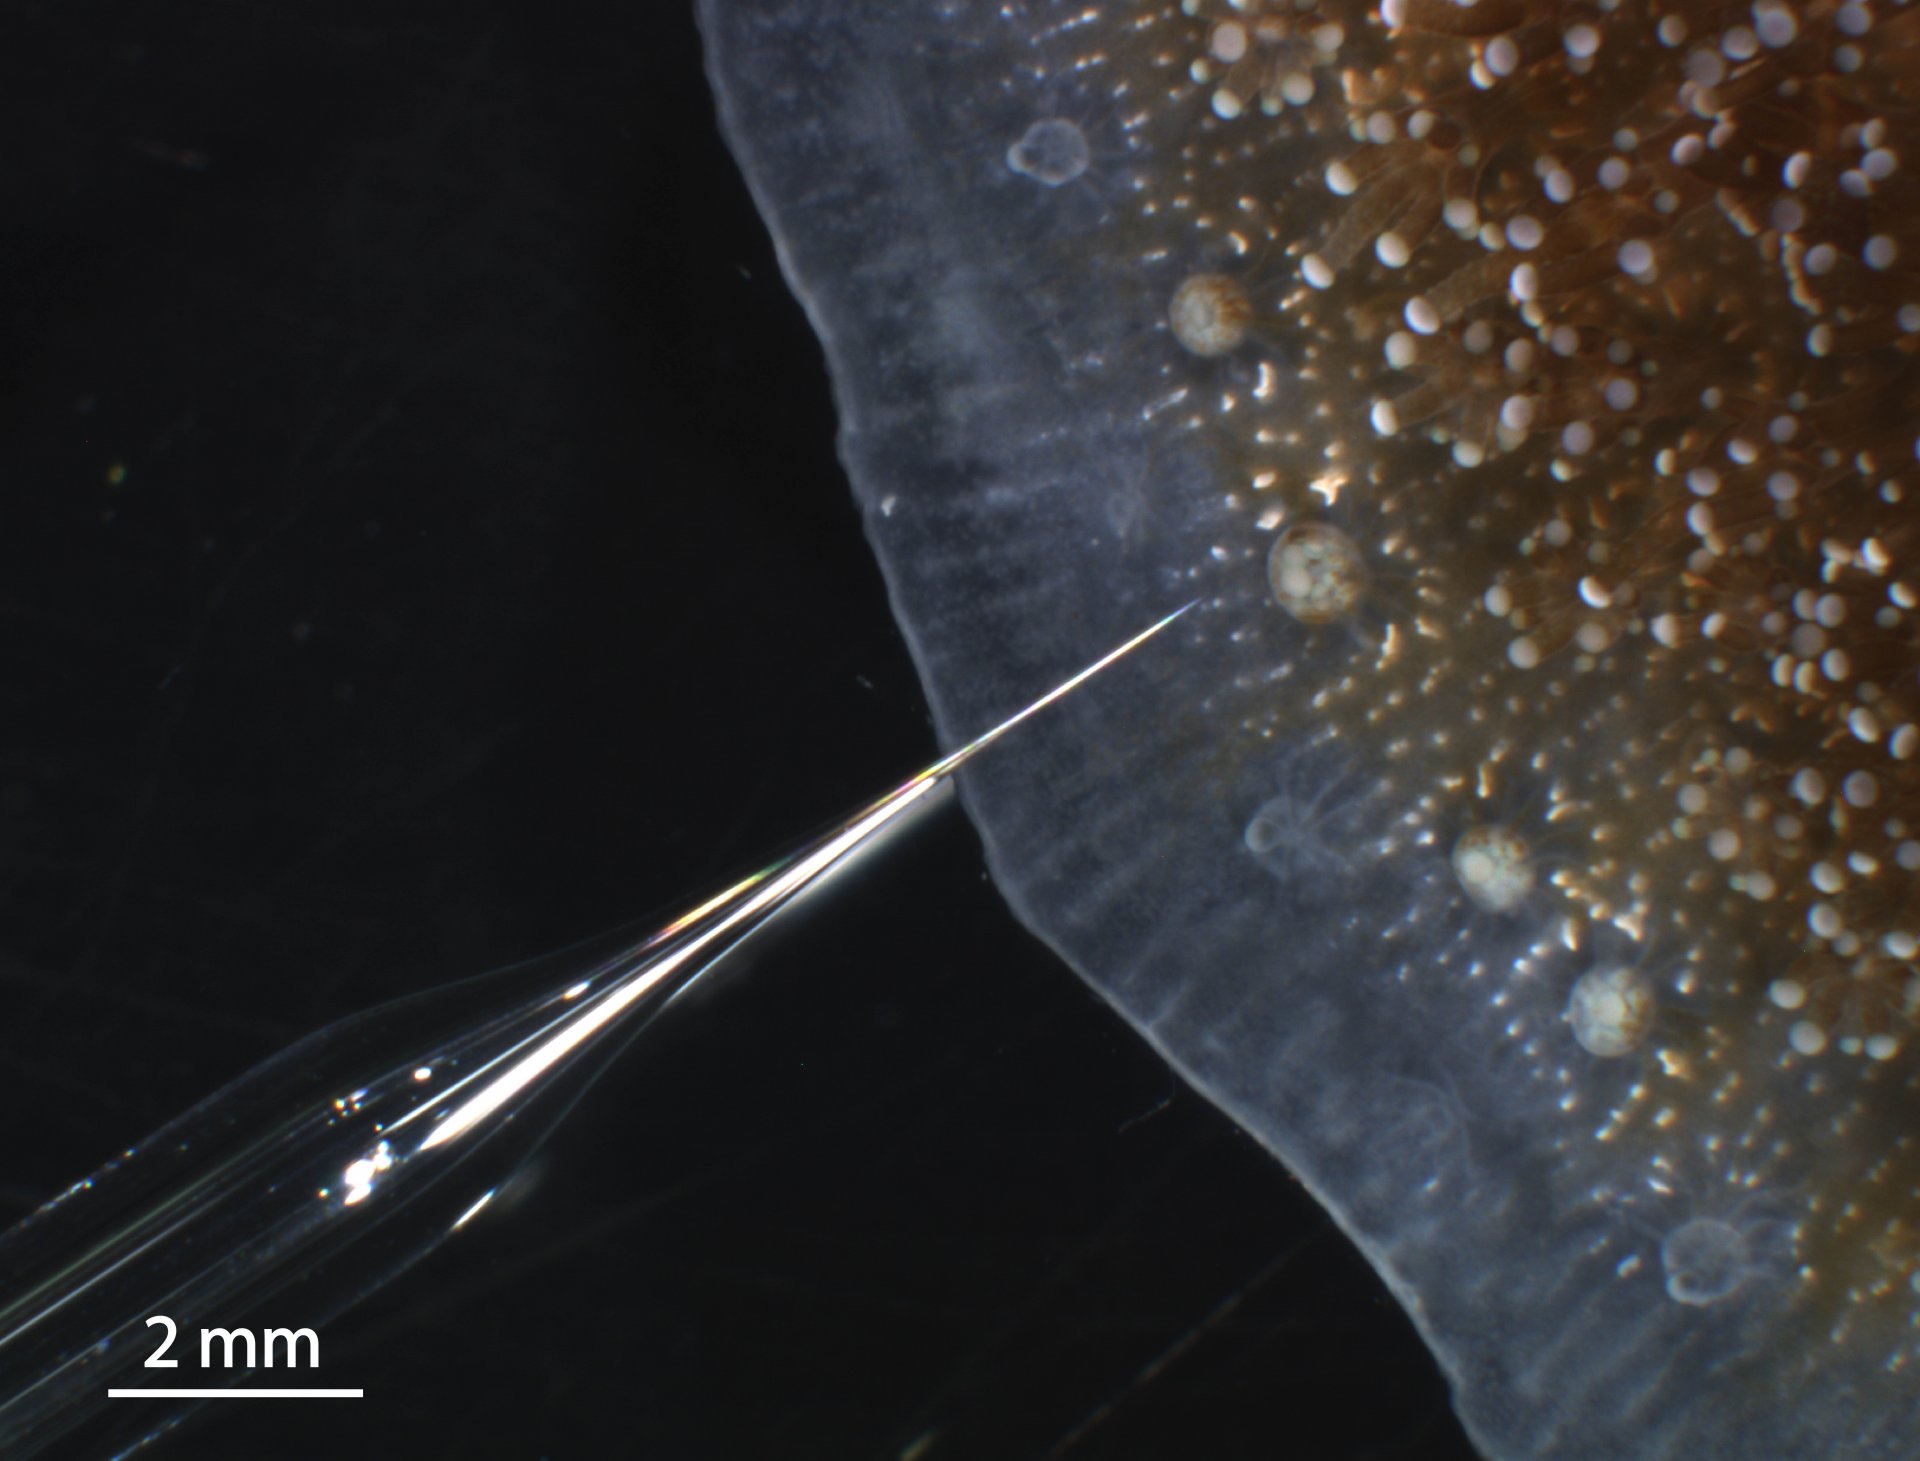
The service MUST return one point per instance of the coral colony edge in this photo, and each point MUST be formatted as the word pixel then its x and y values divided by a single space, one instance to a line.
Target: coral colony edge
pixel 1522 840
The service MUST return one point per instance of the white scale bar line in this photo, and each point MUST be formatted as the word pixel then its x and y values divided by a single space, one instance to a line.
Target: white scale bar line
pixel 237 1393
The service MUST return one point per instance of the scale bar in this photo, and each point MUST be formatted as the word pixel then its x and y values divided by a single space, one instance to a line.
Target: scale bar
pixel 237 1393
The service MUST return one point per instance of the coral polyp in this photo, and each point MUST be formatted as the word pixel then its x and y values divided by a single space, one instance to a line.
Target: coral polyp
pixel 1495 867
pixel 1317 573
pixel 1210 314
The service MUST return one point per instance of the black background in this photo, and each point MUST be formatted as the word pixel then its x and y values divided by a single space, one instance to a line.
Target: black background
pixel 421 546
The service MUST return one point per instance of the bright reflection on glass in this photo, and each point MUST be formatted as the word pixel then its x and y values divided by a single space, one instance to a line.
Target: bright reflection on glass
pixel 279 1180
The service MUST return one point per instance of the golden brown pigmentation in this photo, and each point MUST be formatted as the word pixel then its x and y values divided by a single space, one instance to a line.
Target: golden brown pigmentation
pixel 1609 316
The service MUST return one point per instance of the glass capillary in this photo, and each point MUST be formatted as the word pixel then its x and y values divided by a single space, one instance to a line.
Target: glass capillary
pixel 691 945
pixel 287 1179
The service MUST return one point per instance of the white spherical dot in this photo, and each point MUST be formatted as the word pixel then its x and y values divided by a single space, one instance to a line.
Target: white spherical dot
pixel 1788 994
pixel 1228 42
pixel 1775 24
